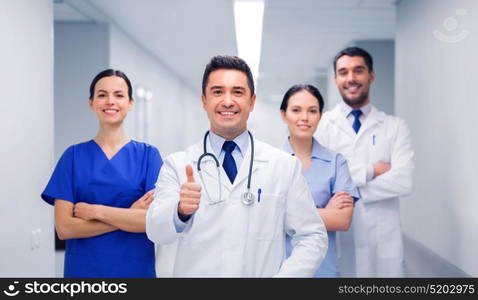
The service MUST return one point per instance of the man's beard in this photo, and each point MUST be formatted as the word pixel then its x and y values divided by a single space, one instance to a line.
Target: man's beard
pixel 358 102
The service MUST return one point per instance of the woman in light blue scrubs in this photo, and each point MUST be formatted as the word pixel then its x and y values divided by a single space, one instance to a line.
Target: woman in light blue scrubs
pixel 101 190
pixel 326 171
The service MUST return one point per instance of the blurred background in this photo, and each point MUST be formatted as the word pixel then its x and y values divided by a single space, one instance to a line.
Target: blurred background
pixel 425 62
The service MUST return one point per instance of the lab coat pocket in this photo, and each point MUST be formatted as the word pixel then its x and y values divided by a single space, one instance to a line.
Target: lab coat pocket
pixel 380 148
pixel 267 217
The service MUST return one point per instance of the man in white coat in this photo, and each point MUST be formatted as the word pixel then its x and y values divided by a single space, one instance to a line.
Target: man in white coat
pixel 378 150
pixel 218 232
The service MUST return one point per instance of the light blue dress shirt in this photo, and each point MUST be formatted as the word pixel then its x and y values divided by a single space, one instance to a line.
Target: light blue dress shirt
pixel 242 142
pixel 216 142
pixel 327 175
pixel 346 111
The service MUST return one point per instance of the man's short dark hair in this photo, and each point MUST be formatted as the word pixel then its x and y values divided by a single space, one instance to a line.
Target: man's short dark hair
pixel 355 51
pixel 228 62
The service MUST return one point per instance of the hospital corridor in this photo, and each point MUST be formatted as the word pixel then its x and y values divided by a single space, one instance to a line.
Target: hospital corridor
pixel 424 74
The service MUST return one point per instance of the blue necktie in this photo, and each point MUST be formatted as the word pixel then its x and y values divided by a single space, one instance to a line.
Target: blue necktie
pixel 356 125
pixel 229 164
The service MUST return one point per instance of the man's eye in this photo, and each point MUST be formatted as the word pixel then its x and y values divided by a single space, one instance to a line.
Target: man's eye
pixel 101 95
pixel 238 93
pixel 119 96
pixel 217 92
pixel 295 110
pixel 313 111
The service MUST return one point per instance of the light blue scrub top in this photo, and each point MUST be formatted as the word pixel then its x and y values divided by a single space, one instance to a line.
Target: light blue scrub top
pixel 85 174
pixel 327 175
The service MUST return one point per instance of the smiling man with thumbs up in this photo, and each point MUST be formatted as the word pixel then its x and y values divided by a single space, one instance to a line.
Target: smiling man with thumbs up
pixel 228 202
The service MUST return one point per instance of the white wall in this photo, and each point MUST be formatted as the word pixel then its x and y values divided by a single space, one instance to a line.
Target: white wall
pixel 435 94
pixel 177 117
pixel 26 123
pixel 81 51
pixel 333 96
pixel 266 124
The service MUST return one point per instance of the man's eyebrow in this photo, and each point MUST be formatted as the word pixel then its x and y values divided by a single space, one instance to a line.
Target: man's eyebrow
pixel 239 88
pixel 214 87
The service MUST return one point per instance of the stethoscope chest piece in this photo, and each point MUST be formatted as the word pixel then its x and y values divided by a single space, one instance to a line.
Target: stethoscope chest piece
pixel 248 198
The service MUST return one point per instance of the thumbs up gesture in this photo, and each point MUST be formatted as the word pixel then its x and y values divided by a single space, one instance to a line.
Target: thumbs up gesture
pixel 189 195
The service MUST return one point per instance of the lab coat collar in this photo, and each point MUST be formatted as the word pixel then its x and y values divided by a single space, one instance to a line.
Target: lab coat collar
pixel 374 117
pixel 259 160
pixel 208 166
pixel 346 109
pixel 216 141
pixel 337 117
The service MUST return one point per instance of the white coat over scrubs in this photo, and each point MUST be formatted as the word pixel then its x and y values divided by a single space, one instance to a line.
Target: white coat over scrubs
pixel 376 222
pixel 231 239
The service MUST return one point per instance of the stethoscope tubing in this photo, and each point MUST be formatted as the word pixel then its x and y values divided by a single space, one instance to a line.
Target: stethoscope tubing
pixel 216 161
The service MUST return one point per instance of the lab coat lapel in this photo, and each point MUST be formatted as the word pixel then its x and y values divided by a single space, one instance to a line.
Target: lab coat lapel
pixel 244 169
pixel 337 118
pixel 374 118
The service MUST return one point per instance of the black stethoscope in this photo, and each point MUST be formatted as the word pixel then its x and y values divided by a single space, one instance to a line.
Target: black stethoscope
pixel 247 198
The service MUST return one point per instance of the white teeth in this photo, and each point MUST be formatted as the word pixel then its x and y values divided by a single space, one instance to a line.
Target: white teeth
pixel 227 113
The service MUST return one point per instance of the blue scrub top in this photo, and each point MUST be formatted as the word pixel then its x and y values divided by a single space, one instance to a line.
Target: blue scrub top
pixel 85 174
pixel 327 175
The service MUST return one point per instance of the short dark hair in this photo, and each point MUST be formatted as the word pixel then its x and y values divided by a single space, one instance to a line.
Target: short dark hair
pixel 355 51
pixel 228 62
pixel 108 73
pixel 300 87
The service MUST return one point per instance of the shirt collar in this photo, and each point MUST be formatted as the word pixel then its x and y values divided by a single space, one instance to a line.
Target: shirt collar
pixel 318 151
pixel 345 109
pixel 242 142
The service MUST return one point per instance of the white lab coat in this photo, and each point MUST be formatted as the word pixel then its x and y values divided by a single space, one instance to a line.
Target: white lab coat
pixel 231 239
pixel 376 222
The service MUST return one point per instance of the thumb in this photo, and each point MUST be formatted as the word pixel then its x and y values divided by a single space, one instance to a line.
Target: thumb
pixel 189 173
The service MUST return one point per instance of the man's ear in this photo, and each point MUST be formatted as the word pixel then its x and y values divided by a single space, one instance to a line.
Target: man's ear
pixel 203 100
pixel 253 102
pixel 372 76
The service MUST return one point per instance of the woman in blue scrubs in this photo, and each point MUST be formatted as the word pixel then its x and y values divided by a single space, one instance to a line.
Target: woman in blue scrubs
pixel 326 171
pixel 101 190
